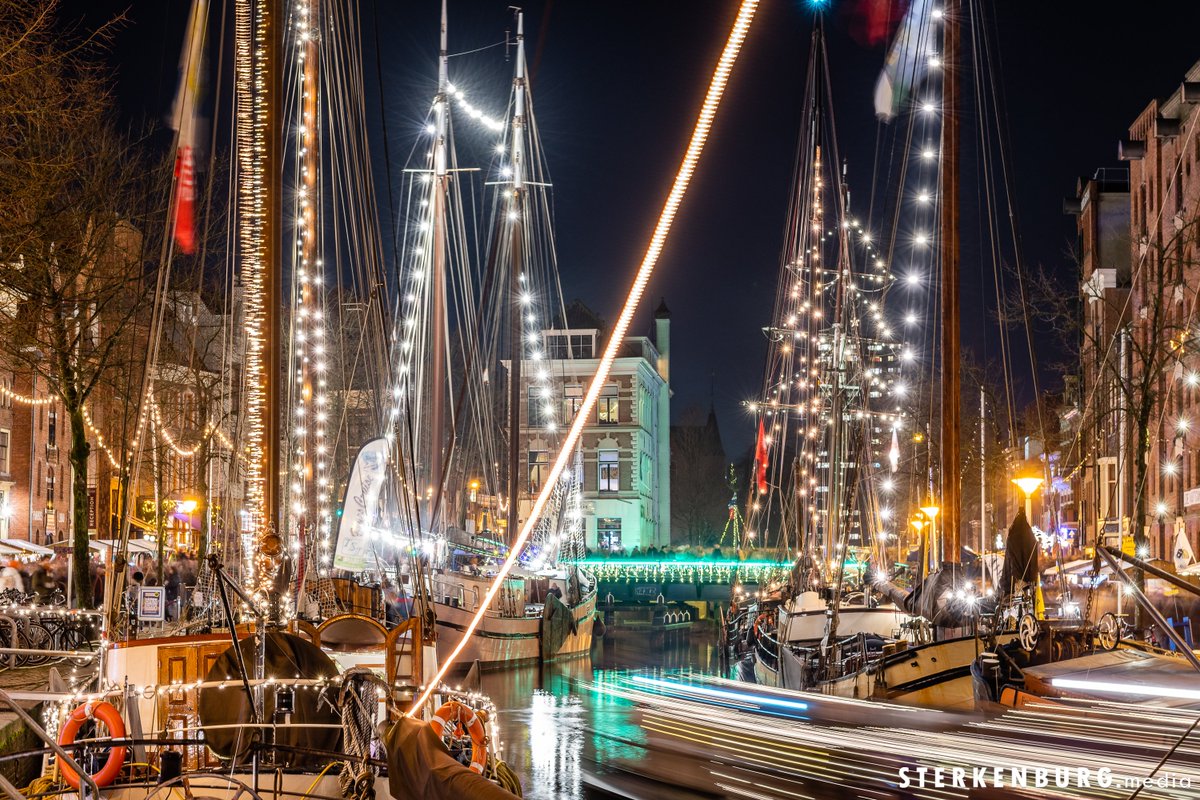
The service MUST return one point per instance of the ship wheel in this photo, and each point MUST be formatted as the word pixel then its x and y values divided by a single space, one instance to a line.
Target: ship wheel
pixel 203 786
pixel 1027 632
pixel 1108 630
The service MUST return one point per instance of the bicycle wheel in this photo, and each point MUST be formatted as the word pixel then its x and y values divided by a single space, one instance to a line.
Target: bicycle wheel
pixel 74 639
pixel 35 636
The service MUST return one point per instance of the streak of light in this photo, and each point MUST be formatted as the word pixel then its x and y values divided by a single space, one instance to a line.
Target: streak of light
pixel 708 112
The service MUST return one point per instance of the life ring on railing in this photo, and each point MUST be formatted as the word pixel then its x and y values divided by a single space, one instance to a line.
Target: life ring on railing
pixel 455 717
pixel 108 714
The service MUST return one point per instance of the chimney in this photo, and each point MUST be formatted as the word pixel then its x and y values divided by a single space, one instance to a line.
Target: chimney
pixel 662 339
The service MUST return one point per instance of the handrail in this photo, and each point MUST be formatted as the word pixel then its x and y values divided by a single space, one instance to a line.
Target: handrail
pixel 1149 608
pixel 62 754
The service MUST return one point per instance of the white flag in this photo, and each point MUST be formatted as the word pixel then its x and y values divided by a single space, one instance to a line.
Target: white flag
pixel 360 506
pixel 1183 548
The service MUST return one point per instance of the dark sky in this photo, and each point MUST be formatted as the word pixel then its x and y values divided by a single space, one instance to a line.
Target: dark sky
pixel 617 85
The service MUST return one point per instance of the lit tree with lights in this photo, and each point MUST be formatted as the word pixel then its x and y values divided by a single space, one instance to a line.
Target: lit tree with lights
pixel 74 199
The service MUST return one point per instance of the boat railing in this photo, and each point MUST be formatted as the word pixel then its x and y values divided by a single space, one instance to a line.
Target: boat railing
pixel 767 649
pixel 63 756
pixel 455 593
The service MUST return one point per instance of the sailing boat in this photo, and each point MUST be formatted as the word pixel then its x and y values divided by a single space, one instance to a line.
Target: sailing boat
pixel 248 685
pixel 853 643
pixel 831 363
pixel 464 504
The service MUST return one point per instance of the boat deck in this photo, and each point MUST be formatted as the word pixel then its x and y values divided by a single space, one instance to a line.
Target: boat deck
pixel 1124 675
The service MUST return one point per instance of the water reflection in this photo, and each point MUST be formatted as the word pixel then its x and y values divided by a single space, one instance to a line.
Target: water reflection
pixel 550 724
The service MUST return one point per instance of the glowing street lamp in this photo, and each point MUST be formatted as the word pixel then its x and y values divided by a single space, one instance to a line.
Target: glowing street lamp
pixel 1028 486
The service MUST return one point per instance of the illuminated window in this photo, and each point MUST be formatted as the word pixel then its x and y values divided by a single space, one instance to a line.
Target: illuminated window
pixel 50 487
pixel 52 428
pixel 538 414
pixel 539 465
pixel 4 465
pixel 572 400
pixel 608 410
pixel 608 533
pixel 609 471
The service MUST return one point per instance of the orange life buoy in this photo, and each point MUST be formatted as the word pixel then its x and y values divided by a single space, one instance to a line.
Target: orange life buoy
pixel 108 714
pixel 455 716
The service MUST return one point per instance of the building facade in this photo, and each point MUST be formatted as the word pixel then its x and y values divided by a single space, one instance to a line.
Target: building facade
pixel 1163 152
pixel 1095 453
pixel 623 457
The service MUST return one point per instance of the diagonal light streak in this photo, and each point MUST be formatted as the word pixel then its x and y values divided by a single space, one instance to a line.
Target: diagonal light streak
pixel 704 122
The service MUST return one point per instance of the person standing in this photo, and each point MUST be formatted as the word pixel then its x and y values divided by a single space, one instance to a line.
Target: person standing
pixel 10 577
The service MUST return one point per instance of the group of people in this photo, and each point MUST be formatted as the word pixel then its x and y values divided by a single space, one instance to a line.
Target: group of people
pixel 44 581
pixel 41 579
pixel 653 553
pixel 178 579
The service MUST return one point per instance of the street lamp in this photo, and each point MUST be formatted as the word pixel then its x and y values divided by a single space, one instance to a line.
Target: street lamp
pixel 930 510
pixel 1028 486
pixel 920 522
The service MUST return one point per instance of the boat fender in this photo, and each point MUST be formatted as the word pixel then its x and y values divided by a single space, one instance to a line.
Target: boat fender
pixel 454 717
pixel 108 714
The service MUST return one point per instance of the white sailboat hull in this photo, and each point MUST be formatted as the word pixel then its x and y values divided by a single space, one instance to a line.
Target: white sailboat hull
pixel 808 626
pixel 505 641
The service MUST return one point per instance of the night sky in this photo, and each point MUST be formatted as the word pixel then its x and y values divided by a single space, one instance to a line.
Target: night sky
pixel 617 85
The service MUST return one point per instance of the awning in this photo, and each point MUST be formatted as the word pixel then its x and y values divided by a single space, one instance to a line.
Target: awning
pixel 27 547
pixel 135 545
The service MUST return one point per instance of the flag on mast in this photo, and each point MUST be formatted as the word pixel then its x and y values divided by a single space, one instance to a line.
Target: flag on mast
pixel 907 60
pixel 183 120
pixel 760 460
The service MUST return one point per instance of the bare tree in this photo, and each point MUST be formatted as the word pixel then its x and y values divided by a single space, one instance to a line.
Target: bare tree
pixel 1136 374
pixel 699 492
pixel 72 200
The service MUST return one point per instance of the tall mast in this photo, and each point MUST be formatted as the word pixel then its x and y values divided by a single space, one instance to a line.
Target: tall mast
pixel 441 188
pixel 258 83
pixel 983 524
pixel 516 216
pixel 951 400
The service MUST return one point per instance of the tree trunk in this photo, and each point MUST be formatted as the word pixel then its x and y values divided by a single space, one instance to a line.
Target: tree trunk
pixel 80 450
pixel 204 461
pixel 1141 543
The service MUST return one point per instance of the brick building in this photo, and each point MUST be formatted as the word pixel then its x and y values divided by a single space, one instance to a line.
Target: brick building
pixel 1163 152
pixel 1095 453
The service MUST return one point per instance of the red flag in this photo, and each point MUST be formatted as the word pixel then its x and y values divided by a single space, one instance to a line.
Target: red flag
pixel 184 121
pixel 872 22
pixel 185 199
pixel 760 460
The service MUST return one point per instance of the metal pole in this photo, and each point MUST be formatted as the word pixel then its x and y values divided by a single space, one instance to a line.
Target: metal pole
pixel 52 743
pixel 437 367
pixel 215 564
pixel 516 340
pixel 1148 607
pixel 983 578
pixel 951 362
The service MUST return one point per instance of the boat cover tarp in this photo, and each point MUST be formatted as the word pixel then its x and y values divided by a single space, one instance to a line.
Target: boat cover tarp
pixel 1020 556
pixel 287 656
pixel 933 598
pixel 420 766
pixel 792 670
pixel 558 622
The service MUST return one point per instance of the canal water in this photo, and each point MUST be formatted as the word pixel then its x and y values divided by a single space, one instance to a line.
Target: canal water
pixel 551 725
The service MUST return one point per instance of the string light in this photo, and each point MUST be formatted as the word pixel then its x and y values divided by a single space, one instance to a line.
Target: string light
pixel 695 147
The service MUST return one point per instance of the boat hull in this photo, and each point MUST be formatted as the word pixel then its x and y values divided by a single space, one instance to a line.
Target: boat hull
pixel 808 626
pixel 507 641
